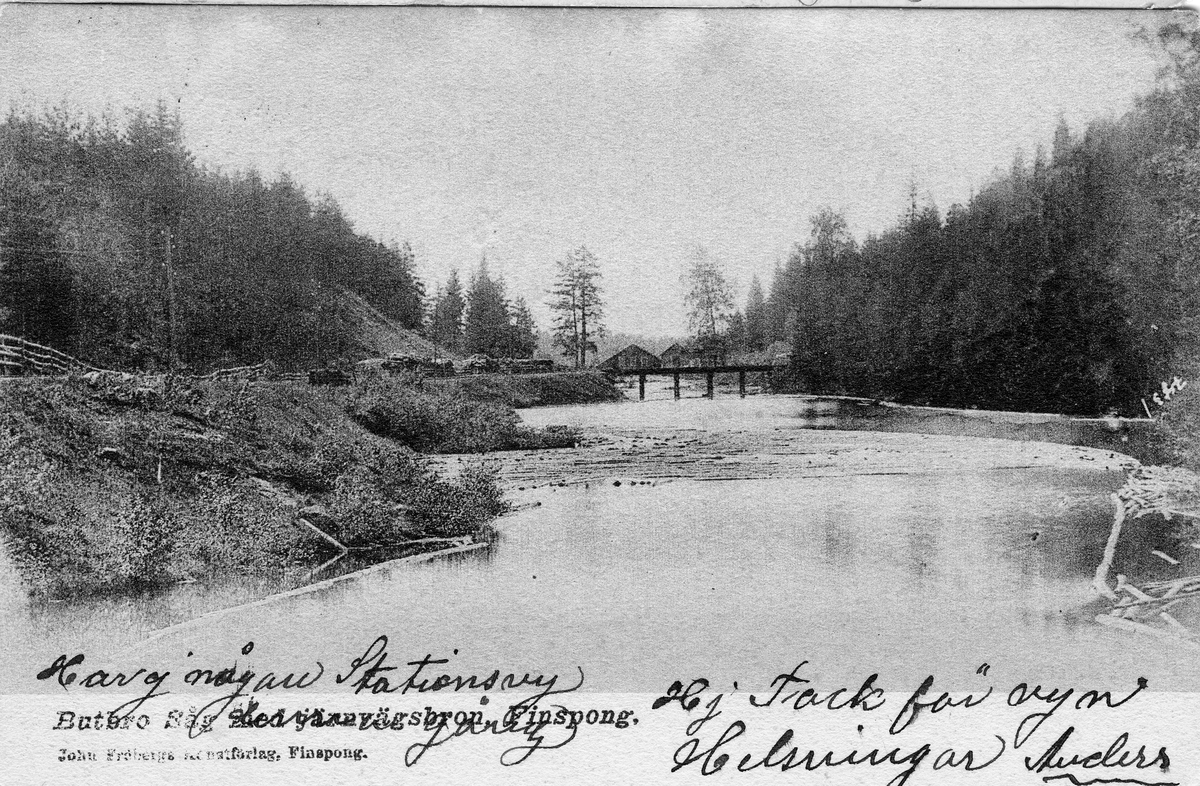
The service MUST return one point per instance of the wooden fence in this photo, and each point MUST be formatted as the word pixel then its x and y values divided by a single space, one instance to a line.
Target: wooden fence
pixel 256 372
pixel 238 372
pixel 20 358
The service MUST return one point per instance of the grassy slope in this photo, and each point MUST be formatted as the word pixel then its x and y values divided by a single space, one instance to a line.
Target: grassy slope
pixel 531 390
pixel 381 336
pixel 128 481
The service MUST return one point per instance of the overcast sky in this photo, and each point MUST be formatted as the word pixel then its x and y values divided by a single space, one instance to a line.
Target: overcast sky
pixel 522 133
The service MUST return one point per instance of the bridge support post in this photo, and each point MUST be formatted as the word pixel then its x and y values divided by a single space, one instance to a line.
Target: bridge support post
pixel 742 384
pixel 676 384
pixel 641 387
pixel 710 384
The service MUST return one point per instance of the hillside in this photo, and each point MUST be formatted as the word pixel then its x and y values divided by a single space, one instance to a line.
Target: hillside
pixel 380 336
pixel 114 481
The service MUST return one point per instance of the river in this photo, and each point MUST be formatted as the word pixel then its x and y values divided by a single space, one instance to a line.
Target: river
pixel 729 539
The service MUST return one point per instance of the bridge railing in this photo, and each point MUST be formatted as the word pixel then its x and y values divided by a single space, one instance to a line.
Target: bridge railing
pixel 21 357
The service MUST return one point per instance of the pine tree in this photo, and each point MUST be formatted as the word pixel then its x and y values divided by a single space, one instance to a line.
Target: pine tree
pixel 735 334
pixel 165 259
pixel 755 317
pixel 486 330
pixel 522 331
pixel 36 293
pixel 565 305
pixel 578 305
pixel 446 322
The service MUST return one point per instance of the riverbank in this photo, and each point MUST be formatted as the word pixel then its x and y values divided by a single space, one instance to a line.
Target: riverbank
pixel 113 483
pixel 789 436
pixel 899 531
pixel 636 456
pixel 1154 544
pixel 531 390
pixel 1141 438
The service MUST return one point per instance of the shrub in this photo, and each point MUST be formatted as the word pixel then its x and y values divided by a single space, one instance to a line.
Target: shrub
pixel 116 482
pixel 69 532
pixel 446 422
pixel 460 507
pixel 229 527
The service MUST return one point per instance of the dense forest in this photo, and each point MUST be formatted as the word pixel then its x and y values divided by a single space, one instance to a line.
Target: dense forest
pixel 1070 284
pixel 117 247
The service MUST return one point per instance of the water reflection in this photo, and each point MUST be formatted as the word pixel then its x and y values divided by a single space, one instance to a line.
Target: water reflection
pixel 917 573
pixel 110 622
pixel 903 574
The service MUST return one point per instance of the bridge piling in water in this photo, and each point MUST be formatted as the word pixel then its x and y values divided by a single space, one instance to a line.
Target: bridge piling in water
pixel 676 372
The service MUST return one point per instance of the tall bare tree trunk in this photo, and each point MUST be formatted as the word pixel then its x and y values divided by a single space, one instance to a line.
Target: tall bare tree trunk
pixel 582 329
pixel 172 321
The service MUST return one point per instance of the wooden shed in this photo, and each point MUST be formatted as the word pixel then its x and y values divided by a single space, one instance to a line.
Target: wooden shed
pixel 697 352
pixel 630 358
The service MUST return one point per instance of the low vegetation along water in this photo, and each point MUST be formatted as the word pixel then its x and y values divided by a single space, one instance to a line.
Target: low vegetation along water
pixel 725 538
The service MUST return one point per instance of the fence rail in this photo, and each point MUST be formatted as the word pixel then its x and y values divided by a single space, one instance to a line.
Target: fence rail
pixel 20 357
pixel 258 371
pixel 237 372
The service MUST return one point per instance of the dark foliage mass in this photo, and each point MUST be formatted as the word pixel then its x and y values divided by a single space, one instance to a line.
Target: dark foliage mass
pixel 1069 284
pixel 1060 287
pixel 117 247
pixel 482 320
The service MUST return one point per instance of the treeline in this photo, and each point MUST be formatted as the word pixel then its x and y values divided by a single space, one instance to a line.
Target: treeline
pixel 482 320
pixel 117 247
pixel 1069 284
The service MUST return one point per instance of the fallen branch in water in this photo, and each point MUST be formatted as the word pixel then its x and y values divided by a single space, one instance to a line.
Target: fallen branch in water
pixel 461 540
pixel 323 534
pixel 1168 492
pixel 1163 599
pixel 1174 623
pixel 1110 549
pixel 1138 627
pixel 322 567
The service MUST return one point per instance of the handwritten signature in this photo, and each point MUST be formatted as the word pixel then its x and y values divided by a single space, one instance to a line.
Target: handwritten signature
pixel 711 745
pixel 368 673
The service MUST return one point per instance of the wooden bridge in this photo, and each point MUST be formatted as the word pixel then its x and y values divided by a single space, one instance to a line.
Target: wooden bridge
pixel 710 373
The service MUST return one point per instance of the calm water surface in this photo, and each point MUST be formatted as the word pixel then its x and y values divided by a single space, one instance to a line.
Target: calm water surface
pixel 640 584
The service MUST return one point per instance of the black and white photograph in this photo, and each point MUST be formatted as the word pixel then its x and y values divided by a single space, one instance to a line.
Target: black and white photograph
pixel 466 395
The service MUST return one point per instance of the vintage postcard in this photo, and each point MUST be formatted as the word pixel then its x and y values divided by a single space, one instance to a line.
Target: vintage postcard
pixel 603 396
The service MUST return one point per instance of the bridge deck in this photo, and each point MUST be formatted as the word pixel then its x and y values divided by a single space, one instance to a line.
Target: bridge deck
pixel 678 371
pixel 670 371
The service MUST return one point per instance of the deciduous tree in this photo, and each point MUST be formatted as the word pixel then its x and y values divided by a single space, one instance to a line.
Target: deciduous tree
pixel 707 296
